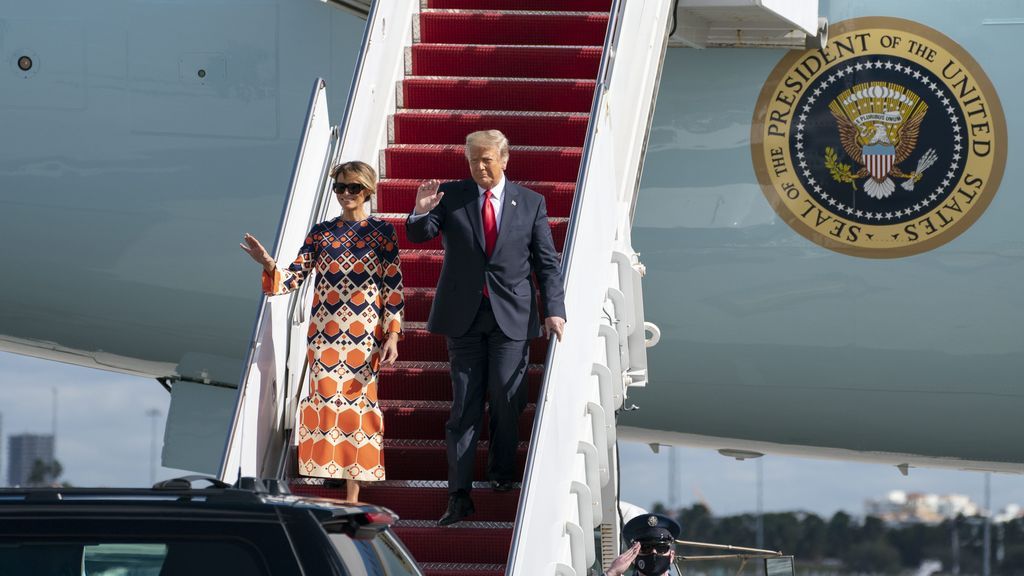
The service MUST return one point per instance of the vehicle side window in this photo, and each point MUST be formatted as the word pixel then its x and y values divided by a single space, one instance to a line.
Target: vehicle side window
pixel 359 556
pixel 109 559
pixel 397 561
pixel 168 558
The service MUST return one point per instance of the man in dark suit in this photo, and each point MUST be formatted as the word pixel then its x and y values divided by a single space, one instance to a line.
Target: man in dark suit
pixel 496 237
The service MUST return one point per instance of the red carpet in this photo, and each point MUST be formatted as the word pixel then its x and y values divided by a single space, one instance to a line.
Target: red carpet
pixel 521 28
pixel 553 5
pixel 505 61
pixel 534 129
pixel 528 68
pixel 464 93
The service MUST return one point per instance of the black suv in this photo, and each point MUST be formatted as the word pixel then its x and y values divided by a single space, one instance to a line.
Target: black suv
pixel 173 529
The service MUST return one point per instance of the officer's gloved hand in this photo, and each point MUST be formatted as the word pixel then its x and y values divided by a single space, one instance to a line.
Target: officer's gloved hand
pixel 624 561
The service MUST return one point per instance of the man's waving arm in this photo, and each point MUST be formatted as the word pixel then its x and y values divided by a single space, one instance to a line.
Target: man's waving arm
pixel 428 214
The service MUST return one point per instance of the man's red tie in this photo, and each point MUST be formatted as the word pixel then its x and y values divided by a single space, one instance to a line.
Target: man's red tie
pixel 490 229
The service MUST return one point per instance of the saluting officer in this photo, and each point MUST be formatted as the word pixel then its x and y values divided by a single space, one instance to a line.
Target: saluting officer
pixel 652 546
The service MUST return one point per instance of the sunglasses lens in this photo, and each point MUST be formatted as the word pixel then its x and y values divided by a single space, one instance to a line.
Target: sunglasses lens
pixel 661 548
pixel 342 188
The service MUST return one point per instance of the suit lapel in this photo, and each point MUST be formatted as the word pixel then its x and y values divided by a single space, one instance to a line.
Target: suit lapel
pixel 509 208
pixel 473 211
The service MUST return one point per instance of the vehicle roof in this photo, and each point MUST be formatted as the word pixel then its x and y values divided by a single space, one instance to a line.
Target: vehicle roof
pixel 142 500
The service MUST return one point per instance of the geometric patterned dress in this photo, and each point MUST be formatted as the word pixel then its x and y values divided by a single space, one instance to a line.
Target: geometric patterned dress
pixel 358 299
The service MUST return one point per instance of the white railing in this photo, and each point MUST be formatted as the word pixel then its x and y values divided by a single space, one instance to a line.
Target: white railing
pixel 570 485
pixel 275 366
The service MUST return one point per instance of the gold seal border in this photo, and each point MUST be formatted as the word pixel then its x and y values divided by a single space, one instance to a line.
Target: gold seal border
pixel 777 75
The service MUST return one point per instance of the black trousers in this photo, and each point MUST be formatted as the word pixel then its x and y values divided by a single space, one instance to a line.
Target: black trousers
pixel 485 362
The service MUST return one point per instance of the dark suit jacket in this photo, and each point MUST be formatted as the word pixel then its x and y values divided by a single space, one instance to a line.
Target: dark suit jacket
pixel 524 246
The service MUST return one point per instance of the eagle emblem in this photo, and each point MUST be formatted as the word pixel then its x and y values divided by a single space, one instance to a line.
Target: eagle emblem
pixel 879 124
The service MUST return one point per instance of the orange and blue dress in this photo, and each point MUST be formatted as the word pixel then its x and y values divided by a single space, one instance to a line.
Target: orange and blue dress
pixel 357 301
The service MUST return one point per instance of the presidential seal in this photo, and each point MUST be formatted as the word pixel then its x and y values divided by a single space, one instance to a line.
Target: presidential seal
pixel 887 142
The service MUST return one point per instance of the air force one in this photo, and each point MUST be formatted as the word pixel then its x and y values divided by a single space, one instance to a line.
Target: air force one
pixel 786 227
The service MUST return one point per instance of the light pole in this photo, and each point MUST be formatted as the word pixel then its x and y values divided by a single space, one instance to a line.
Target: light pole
pixel 745 455
pixel 673 481
pixel 53 427
pixel 154 415
pixel 760 503
pixel 986 563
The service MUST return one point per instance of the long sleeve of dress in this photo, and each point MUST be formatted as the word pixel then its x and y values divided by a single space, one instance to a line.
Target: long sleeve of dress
pixel 284 281
pixel 391 287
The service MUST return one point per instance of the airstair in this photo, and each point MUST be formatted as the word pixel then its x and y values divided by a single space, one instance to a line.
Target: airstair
pixel 572 83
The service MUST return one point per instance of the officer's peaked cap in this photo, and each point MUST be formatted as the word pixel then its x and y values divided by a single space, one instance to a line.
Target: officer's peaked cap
pixel 651 528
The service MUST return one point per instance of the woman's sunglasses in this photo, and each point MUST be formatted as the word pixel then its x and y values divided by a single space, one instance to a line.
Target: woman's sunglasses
pixel 660 548
pixel 353 188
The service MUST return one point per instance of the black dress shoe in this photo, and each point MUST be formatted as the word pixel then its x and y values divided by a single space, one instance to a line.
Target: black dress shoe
pixel 502 485
pixel 459 506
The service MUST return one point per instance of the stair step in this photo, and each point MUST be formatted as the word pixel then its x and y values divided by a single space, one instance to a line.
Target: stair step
pixel 559 226
pixel 551 163
pixel 497 94
pixel 428 422
pixel 559 5
pixel 420 345
pixel 522 129
pixel 519 28
pixel 485 60
pixel 451 569
pixel 417 304
pixel 432 381
pixel 465 544
pixel 398 196
pixel 415 503
pixel 422 268
pixel 428 460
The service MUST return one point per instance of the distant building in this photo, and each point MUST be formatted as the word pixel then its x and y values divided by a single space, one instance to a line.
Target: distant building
pixel 23 451
pixel 900 507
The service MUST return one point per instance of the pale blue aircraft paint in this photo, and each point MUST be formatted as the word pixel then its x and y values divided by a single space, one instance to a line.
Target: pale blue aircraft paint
pixel 145 141
pixel 767 336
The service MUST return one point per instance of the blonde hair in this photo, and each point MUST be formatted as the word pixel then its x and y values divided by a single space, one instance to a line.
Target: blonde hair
pixel 488 139
pixel 361 172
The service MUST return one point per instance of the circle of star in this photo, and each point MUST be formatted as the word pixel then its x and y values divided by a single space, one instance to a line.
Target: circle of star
pixel 911 73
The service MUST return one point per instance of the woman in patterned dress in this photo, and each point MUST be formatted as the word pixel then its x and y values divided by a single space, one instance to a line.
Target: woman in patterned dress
pixel 354 327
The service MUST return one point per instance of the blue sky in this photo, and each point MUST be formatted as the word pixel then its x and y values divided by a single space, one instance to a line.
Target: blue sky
pixel 104 440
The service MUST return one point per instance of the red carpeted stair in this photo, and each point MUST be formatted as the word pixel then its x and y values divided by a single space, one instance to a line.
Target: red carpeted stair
pixel 527 68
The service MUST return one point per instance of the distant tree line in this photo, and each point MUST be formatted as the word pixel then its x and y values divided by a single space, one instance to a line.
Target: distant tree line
pixel 45 473
pixel 864 546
